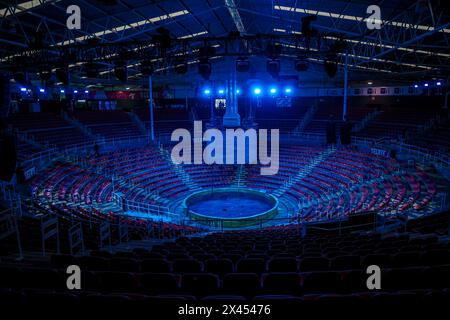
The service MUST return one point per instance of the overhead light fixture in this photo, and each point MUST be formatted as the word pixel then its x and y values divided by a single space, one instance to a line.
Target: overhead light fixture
pixel 301 64
pixel 242 64
pixel 62 75
pixel 204 68
pixel 121 71
pixel 45 74
pixel 273 67
pixel 331 65
pixel 181 67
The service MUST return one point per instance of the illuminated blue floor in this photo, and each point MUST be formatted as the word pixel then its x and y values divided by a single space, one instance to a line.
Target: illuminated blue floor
pixel 231 205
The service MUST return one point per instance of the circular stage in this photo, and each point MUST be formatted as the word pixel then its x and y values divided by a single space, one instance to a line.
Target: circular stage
pixel 230 207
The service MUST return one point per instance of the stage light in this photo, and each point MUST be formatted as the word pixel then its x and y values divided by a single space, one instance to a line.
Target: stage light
pixel 75 91
pixel 370 83
pixel 62 91
pixel 207 92
pixel 128 88
pixel 86 91
pixel 438 83
pixel 416 86
pixel 257 91
pixel 425 85
pixel 23 89
pixel 238 91
pixel 221 91
pixel 287 90
pixel 273 90
pixel 41 90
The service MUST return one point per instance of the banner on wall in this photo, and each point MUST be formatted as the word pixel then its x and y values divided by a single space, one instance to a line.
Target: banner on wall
pixel 121 95
pixel 379 152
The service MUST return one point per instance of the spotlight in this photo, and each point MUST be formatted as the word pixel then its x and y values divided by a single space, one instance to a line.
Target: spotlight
pixel 301 64
pixel 204 68
pixel 221 91
pixel 273 67
pixel 273 90
pixel 42 90
pixel 416 86
pixel 207 92
pixel 257 91
pixel 127 88
pixel 287 90
pixel 425 85
pixel 146 67
pixel 121 71
pixel 23 89
pixel 181 67
pixel 86 91
pixel 45 74
pixel 238 91
pixel 438 83
pixel 62 91
pixel 75 91
pixel 242 65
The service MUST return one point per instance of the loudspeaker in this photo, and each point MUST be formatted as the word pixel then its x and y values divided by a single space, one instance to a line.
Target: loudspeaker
pixel 331 132
pixel 346 129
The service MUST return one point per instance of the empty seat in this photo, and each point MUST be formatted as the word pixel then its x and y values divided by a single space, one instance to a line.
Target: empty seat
pixel 94 263
pixel 406 259
pixel 251 265
pixel 402 279
pixel 200 284
pixel 282 283
pixel 345 262
pixel 159 283
pixel 322 282
pixel 124 264
pixel 282 265
pixel 246 284
pixel 436 257
pixel 218 266
pixel 118 282
pixel 313 264
pixel 155 265
pixel 185 266
pixel 232 257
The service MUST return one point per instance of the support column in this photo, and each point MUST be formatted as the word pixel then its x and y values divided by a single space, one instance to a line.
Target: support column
pixel 152 125
pixel 344 109
pixel 231 117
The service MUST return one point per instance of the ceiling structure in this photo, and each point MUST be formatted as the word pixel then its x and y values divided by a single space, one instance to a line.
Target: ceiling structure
pixel 411 43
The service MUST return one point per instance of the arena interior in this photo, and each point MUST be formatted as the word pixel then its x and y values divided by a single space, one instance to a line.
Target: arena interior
pixel 251 155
